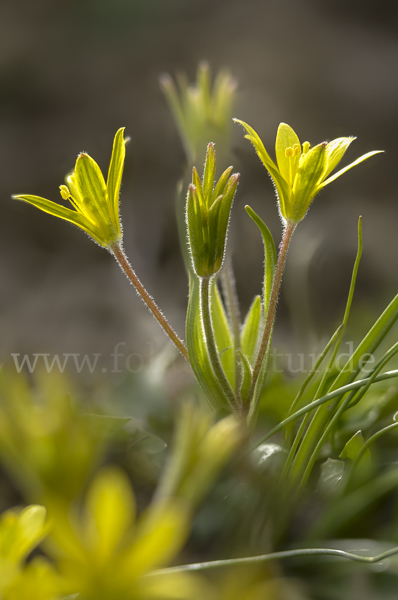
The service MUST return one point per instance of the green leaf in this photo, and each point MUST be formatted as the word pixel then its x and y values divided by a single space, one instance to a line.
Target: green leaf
pixel 353 446
pixel 251 330
pixel 223 335
pixel 269 256
pixel 246 376
pixel 332 472
pixel 197 350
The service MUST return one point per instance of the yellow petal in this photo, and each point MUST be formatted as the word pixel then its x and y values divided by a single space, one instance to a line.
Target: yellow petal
pixel 63 213
pixel 92 188
pixel 281 186
pixel 286 138
pixel 160 535
pixel 353 164
pixel 335 151
pixel 111 506
pixel 312 166
pixel 115 175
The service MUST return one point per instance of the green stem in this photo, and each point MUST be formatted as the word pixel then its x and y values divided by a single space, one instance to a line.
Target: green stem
pixel 280 265
pixel 232 304
pixel 149 301
pixel 205 290
pixel 304 552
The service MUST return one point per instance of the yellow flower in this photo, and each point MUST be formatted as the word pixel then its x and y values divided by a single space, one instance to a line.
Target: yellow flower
pixel 105 552
pixel 300 172
pixel 95 203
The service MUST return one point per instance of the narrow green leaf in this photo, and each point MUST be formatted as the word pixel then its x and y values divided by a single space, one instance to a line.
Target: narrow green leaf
pixel 246 376
pixel 313 437
pixel 223 335
pixel 251 330
pixel 269 255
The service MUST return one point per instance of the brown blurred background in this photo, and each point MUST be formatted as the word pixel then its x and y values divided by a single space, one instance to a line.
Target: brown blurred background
pixel 72 72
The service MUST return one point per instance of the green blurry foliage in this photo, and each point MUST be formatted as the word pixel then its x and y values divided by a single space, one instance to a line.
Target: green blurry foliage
pixel 47 441
pixel 202 111
pixel 200 450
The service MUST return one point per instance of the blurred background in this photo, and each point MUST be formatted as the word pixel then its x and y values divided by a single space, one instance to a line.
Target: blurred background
pixel 72 73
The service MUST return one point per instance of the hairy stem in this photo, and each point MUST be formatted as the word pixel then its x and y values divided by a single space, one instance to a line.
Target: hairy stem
pixel 205 289
pixel 149 301
pixel 280 265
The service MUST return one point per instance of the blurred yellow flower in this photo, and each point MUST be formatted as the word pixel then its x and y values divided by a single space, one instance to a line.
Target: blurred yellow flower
pixel 106 553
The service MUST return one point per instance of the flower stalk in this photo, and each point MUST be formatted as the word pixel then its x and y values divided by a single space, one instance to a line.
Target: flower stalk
pixel 269 323
pixel 127 269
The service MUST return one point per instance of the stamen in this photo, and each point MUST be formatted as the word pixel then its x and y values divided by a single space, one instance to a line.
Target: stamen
pixel 289 152
pixel 296 149
pixel 65 193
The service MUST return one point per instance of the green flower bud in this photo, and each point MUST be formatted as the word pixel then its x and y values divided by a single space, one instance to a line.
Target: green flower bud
pixel 208 210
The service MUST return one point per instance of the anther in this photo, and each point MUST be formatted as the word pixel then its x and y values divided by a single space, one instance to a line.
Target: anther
pixel 65 193
pixel 289 152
